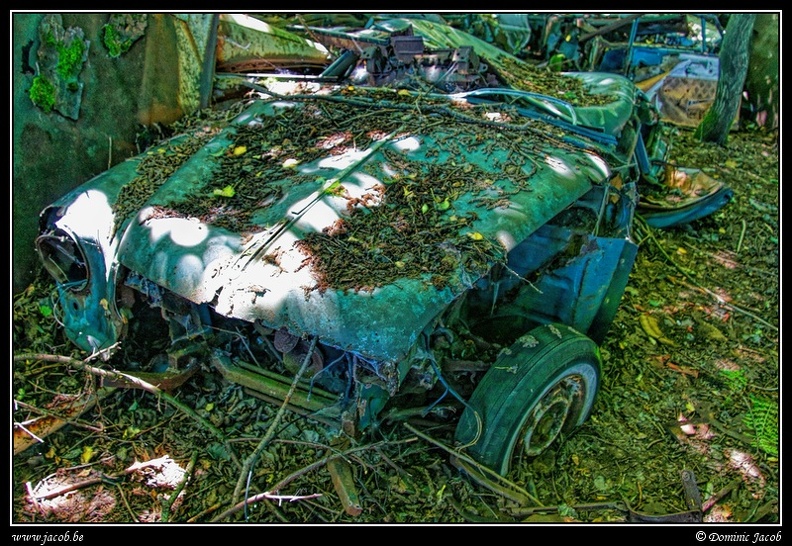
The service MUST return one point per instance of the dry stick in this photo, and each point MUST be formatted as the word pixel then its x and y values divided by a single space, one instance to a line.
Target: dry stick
pixel 202 513
pixel 21 426
pixel 474 518
pixel 723 302
pixel 167 503
pixel 713 500
pixel 73 487
pixel 494 486
pixel 763 510
pixel 731 263
pixel 707 291
pixel 85 483
pixel 308 30
pixel 296 474
pixel 742 236
pixel 48 413
pixel 119 376
pixel 104 353
pixel 256 498
pixel 32 498
pixel 251 460
pixel 92 481
pixel 126 503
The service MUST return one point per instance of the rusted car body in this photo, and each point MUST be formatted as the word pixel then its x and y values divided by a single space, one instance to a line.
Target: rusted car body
pixel 389 243
pixel 672 57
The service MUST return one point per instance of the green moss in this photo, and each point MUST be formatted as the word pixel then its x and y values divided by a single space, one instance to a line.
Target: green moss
pixel 70 59
pixel 113 42
pixel 42 93
pixel 49 38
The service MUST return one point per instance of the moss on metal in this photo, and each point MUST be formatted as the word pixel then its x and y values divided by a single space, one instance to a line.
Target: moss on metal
pixel 61 56
pixel 122 31
pixel 42 93
pixel 522 75
pixel 164 159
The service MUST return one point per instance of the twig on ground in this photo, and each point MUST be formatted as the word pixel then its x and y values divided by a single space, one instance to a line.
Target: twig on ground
pixel 120 376
pixel 126 503
pixel 48 413
pixel 590 507
pixel 32 497
pixel 695 286
pixel 767 508
pixel 493 480
pixel 710 502
pixel 72 487
pixel 22 426
pixel 729 262
pixel 167 503
pixel 203 513
pixel 393 465
pixel 473 518
pixel 101 478
pixel 305 470
pixel 251 460
pixel 742 236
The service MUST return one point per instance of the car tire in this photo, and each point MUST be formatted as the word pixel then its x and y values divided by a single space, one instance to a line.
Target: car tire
pixel 541 387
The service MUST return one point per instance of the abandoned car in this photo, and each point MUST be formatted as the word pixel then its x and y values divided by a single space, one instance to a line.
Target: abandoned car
pixel 389 243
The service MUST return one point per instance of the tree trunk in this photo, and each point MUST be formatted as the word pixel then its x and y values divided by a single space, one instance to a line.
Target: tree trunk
pixel 733 63
pixel 762 81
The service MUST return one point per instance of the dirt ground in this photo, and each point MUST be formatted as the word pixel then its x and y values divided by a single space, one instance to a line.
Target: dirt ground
pixel 686 427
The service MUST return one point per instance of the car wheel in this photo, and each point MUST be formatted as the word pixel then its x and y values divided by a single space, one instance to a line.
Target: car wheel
pixel 540 387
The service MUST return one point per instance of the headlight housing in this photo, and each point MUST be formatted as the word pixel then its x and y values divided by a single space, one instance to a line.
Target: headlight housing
pixel 63 258
pixel 76 248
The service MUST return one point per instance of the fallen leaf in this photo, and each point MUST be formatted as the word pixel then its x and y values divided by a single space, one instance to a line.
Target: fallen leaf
pixel 711 332
pixel 652 329
pixel 683 369
pixel 228 191
pixel 688 429
pixel 87 454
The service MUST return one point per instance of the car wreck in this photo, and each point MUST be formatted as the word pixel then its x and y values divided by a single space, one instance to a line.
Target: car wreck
pixel 673 58
pixel 415 231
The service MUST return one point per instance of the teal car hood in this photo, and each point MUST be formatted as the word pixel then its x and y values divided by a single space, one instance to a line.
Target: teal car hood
pixel 264 274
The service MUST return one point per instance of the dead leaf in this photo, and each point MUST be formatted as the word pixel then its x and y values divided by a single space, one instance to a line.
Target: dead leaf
pixel 652 329
pixel 683 369
pixel 711 332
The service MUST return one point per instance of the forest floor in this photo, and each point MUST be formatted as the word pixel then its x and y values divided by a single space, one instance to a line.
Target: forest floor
pixel 688 411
